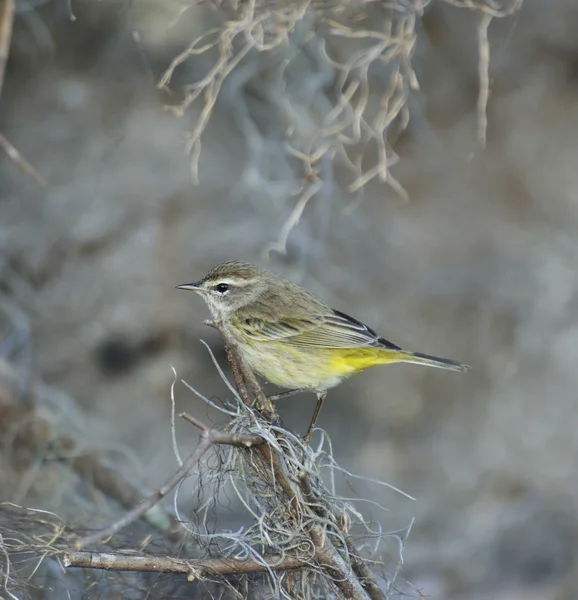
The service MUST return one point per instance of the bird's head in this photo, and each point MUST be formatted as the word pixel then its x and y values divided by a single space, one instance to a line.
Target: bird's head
pixel 230 286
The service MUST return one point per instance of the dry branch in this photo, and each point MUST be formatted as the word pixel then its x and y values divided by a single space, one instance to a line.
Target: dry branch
pixel 244 376
pixel 360 568
pixel 168 564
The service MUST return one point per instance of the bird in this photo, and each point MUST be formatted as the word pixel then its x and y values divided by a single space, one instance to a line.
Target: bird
pixel 292 338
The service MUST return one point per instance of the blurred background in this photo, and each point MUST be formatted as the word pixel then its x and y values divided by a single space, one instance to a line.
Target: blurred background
pixel 470 253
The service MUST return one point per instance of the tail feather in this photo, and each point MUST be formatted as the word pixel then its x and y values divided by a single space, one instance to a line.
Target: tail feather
pixel 433 361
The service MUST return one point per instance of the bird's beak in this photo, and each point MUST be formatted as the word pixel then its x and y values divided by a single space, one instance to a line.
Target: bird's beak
pixel 194 287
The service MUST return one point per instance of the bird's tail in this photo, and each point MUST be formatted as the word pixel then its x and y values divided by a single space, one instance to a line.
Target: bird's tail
pixel 432 361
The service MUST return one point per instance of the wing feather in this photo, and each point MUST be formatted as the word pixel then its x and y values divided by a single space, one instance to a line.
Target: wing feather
pixel 332 330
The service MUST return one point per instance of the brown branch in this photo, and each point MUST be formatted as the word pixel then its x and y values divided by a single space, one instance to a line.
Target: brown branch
pixel 166 564
pixel 234 361
pixel 360 568
pixel 209 437
pixel 229 439
pixel 239 365
pixel 341 572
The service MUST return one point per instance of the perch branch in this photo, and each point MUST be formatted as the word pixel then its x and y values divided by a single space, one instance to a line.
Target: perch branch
pixel 229 439
pixel 234 361
pixel 239 367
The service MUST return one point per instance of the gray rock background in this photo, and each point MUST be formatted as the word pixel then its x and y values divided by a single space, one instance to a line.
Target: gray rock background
pixel 479 265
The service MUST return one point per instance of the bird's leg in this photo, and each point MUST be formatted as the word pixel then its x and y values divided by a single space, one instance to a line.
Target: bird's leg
pixel 282 395
pixel 320 400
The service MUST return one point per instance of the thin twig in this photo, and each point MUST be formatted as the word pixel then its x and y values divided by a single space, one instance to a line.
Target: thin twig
pixel 234 362
pixel 167 564
pixel 228 439
pixel 7 11
pixel 237 363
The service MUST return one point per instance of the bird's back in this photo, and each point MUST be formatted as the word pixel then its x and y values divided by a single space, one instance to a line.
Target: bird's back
pixel 283 297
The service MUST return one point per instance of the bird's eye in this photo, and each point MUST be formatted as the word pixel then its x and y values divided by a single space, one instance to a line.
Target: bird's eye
pixel 221 288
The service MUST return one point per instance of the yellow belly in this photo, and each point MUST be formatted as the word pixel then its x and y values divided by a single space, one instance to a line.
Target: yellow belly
pixel 298 367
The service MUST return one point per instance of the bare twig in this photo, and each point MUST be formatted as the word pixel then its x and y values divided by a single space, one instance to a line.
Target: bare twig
pixel 499 9
pixel 340 570
pixel 487 10
pixel 167 564
pixel 234 361
pixel 245 440
pixel 240 368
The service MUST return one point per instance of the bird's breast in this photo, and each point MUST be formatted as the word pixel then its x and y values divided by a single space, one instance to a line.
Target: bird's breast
pixel 293 367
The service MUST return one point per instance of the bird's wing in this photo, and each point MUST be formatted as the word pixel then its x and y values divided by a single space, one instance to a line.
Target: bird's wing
pixel 332 330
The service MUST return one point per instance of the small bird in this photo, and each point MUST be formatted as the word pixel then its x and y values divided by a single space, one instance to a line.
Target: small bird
pixel 290 337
